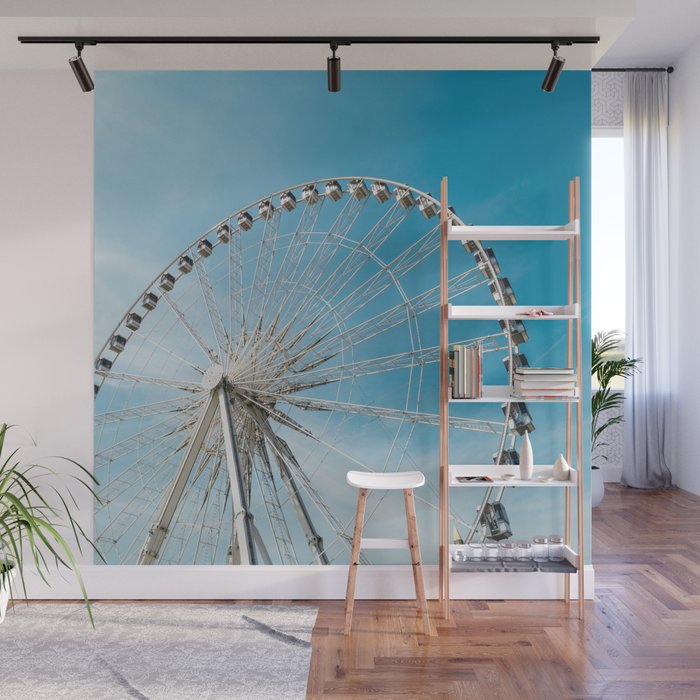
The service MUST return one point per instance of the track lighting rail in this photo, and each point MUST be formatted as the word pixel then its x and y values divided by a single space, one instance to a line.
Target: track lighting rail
pixel 339 40
pixel 667 69
pixel 332 63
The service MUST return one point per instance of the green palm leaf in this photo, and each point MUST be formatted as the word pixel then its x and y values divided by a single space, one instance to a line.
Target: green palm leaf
pixel 30 527
pixel 607 364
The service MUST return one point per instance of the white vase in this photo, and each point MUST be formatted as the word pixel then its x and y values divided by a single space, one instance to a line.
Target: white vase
pixel 597 486
pixel 561 470
pixel 6 579
pixel 526 458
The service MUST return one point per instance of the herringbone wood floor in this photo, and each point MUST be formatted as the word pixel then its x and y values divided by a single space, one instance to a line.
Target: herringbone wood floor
pixel 640 639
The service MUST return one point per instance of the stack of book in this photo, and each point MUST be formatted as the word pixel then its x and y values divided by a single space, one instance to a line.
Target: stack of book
pixel 465 371
pixel 544 382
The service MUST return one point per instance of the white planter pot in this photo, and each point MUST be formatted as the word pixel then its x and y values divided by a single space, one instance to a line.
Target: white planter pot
pixel 6 580
pixel 597 486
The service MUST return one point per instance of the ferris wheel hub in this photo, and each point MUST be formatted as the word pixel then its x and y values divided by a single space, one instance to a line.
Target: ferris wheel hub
pixel 212 377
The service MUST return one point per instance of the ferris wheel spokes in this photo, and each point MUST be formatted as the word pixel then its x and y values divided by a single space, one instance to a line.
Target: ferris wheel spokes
pixel 156 537
pixel 283 454
pixel 217 323
pixel 267 248
pixel 204 347
pixel 316 266
pixel 271 502
pixel 151 434
pixel 143 379
pixel 148 409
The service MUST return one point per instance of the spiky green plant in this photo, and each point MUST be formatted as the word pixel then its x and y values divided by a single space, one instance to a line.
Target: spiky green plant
pixel 606 365
pixel 30 527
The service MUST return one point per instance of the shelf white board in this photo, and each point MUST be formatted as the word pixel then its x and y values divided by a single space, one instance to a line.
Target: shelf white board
pixel 511 313
pixel 512 233
pixel 504 394
pixel 569 554
pixel 496 471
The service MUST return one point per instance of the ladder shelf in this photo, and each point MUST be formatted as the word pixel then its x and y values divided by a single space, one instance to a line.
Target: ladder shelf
pixel 505 476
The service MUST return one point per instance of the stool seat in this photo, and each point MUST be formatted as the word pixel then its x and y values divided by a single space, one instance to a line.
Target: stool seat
pixel 385 480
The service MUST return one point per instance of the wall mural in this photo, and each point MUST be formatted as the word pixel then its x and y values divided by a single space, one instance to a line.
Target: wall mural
pixel 246 358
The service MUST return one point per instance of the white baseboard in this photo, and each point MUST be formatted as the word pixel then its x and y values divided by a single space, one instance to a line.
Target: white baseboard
pixel 295 583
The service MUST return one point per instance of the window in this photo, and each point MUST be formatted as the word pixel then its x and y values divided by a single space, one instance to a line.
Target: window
pixel 607 231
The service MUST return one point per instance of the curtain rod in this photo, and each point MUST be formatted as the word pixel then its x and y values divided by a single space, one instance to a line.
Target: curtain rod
pixel 668 69
pixel 339 40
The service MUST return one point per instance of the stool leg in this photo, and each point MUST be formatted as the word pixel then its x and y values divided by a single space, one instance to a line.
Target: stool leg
pixel 414 546
pixel 354 559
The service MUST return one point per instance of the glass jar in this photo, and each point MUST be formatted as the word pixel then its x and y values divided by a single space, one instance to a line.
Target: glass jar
pixel 491 551
pixel 459 554
pixel 540 548
pixel 523 551
pixel 556 548
pixel 475 551
pixel 507 551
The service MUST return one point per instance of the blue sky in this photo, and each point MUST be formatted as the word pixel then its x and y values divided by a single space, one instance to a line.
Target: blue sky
pixel 175 152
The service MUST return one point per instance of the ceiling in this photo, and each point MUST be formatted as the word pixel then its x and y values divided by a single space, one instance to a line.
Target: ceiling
pixel 608 18
pixel 654 33
pixel 659 33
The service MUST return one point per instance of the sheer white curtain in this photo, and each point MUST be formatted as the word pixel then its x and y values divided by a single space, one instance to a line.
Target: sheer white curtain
pixel 647 408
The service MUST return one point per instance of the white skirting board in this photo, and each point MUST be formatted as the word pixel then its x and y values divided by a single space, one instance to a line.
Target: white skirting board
pixel 294 583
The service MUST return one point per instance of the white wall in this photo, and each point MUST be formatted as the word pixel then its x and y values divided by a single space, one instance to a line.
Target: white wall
pixel 684 176
pixel 46 176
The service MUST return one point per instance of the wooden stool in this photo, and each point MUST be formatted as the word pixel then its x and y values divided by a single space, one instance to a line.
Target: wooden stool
pixel 407 481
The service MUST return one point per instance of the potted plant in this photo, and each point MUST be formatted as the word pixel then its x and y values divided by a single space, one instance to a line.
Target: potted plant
pixel 34 511
pixel 607 364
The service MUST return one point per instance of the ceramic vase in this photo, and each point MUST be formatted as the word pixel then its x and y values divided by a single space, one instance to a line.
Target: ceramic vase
pixel 7 576
pixel 526 458
pixel 562 470
pixel 597 486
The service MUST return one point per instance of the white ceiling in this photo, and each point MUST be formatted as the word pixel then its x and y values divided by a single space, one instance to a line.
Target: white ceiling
pixel 659 33
pixel 608 18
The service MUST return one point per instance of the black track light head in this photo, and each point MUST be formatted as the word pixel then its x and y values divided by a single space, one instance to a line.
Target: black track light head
pixel 554 71
pixel 82 75
pixel 333 69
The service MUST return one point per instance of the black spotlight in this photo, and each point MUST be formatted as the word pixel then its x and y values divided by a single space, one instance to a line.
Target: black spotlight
pixel 80 71
pixel 333 70
pixel 554 71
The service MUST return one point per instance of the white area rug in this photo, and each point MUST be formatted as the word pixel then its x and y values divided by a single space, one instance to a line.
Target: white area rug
pixel 155 652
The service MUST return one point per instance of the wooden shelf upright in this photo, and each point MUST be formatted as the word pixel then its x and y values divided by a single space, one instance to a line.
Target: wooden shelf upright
pixel 571 315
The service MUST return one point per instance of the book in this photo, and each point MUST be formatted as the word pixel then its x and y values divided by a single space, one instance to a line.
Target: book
pixel 458 372
pixel 465 371
pixel 545 384
pixel 545 392
pixel 545 370
pixel 545 378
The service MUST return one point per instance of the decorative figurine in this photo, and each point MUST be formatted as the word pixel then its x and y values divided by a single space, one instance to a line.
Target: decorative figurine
pixel 562 470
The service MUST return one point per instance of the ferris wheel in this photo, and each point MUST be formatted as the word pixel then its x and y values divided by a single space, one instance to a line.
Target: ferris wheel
pixel 281 347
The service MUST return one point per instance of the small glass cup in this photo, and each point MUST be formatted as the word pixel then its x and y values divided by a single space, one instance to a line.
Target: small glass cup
pixel 507 551
pixel 523 551
pixel 540 548
pixel 491 551
pixel 459 555
pixel 556 548
pixel 475 552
